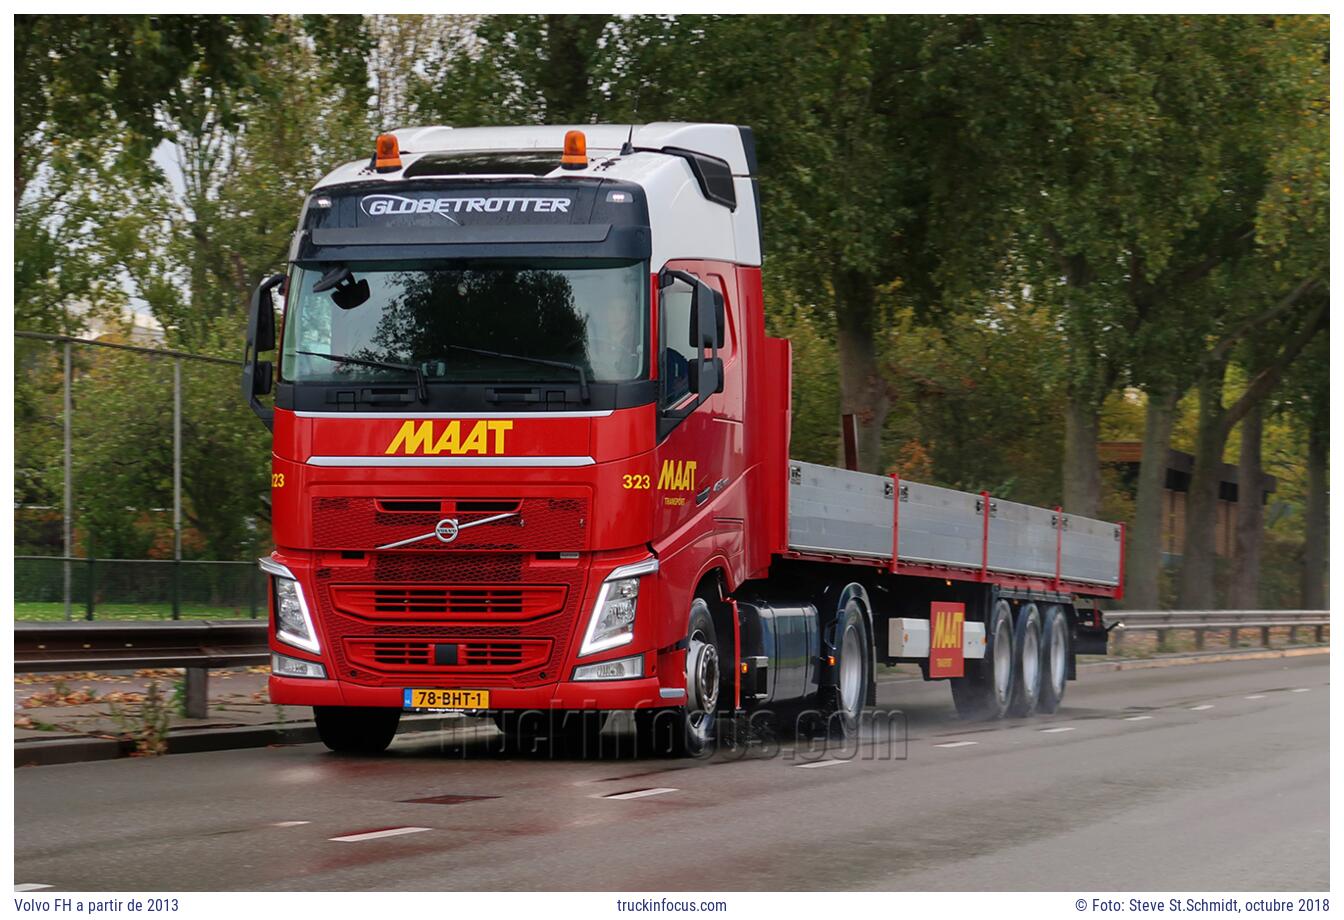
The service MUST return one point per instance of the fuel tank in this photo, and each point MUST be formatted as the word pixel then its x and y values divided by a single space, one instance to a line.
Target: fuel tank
pixel 781 642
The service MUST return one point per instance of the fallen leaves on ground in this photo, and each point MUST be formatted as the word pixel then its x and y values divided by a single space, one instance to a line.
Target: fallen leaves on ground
pixel 69 698
pixel 122 697
pixel 27 680
pixel 22 721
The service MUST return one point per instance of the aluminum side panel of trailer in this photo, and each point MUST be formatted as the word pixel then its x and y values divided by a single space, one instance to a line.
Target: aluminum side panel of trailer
pixel 842 512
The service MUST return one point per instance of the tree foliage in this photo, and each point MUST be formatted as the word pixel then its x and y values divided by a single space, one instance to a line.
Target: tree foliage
pixel 979 230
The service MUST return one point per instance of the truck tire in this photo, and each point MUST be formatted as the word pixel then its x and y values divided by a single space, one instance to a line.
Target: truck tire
pixel 1054 659
pixel 1026 661
pixel 575 733
pixel 841 705
pixel 356 729
pixel 987 688
pixel 690 730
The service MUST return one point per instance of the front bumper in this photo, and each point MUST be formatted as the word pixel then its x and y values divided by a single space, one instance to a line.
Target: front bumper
pixel 645 693
pixel 522 685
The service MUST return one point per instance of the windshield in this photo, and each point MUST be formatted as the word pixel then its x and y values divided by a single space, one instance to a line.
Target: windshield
pixel 468 322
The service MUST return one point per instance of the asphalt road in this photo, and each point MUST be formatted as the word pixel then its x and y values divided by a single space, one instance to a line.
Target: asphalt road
pixel 1211 777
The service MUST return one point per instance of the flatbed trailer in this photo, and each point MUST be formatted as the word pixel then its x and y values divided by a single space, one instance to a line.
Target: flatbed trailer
pixel 916 529
pixel 530 457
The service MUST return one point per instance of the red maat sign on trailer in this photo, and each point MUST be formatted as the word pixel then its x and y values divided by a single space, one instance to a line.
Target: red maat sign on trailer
pixel 946 624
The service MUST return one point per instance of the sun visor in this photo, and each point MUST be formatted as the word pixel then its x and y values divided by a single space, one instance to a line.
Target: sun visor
pixel 572 219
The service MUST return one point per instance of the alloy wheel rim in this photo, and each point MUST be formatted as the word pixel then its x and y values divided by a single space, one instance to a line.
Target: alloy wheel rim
pixel 1003 659
pixel 1057 653
pixel 851 669
pixel 704 661
pixel 1031 650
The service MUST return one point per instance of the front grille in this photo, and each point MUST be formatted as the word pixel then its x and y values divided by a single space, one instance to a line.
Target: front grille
pixel 549 524
pixel 395 653
pixel 528 609
pixel 448 602
pixel 450 506
pixel 404 655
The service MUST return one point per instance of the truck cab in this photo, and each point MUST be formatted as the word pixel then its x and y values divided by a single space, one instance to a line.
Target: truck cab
pixel 529 433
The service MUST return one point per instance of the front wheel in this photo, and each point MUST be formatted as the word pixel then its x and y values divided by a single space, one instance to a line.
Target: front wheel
pixel 356 729
pixel 693 729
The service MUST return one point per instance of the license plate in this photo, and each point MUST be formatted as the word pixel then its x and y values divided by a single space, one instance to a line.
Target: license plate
pixel 445 699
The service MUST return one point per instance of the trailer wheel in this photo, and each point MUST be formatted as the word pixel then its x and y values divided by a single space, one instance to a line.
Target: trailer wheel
pixel 1054 659
pixel 690 730
pixel 1026 661
pixel 842 705
pixel 987 688
pixel 356 729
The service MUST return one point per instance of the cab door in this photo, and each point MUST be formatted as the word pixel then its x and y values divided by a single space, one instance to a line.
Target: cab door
pixel 699 457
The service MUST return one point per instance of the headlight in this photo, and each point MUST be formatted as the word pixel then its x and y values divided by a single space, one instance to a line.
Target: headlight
pixel 620 669
pixel 293 625
pixel 295 667
pixel 612 622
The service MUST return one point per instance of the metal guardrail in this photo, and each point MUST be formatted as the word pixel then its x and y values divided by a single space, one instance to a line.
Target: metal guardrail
pixel 1200 621
pixel 195 645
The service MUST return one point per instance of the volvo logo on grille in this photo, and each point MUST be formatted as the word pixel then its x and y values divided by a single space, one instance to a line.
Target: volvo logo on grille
pixel 446 530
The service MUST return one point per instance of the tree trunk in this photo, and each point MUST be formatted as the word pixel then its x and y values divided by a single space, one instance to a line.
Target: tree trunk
pixel 564 83
pixel 1315 554
pixel 1144 560
pixel 1082 467
pixel 1201 506
pixel 862 389
pixel 1250 514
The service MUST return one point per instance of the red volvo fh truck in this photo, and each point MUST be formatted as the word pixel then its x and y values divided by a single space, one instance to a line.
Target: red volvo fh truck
pixel 531 458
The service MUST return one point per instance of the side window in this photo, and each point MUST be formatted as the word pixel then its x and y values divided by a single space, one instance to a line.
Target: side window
pixel 677 351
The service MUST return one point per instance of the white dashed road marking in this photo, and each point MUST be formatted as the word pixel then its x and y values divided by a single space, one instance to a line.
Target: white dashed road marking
pixel 289 823
pixel 1137 718
pixel 1256 696
pixel 820 763
pixel 1062 728
pixel 952 744
pixel 30 886
pixel 638 793
pixel 376 835
pixel 1201 707
pixel 1302 690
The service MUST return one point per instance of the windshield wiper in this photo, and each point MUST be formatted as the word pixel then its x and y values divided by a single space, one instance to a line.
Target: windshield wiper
pixel 583 378
pixel 421 389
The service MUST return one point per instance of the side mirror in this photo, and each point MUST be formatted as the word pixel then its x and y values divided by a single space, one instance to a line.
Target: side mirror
pixel 708 322
pixel 261 321
pixel 705 377
pixel 263 379
pixel 259 375
pixel 707 317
